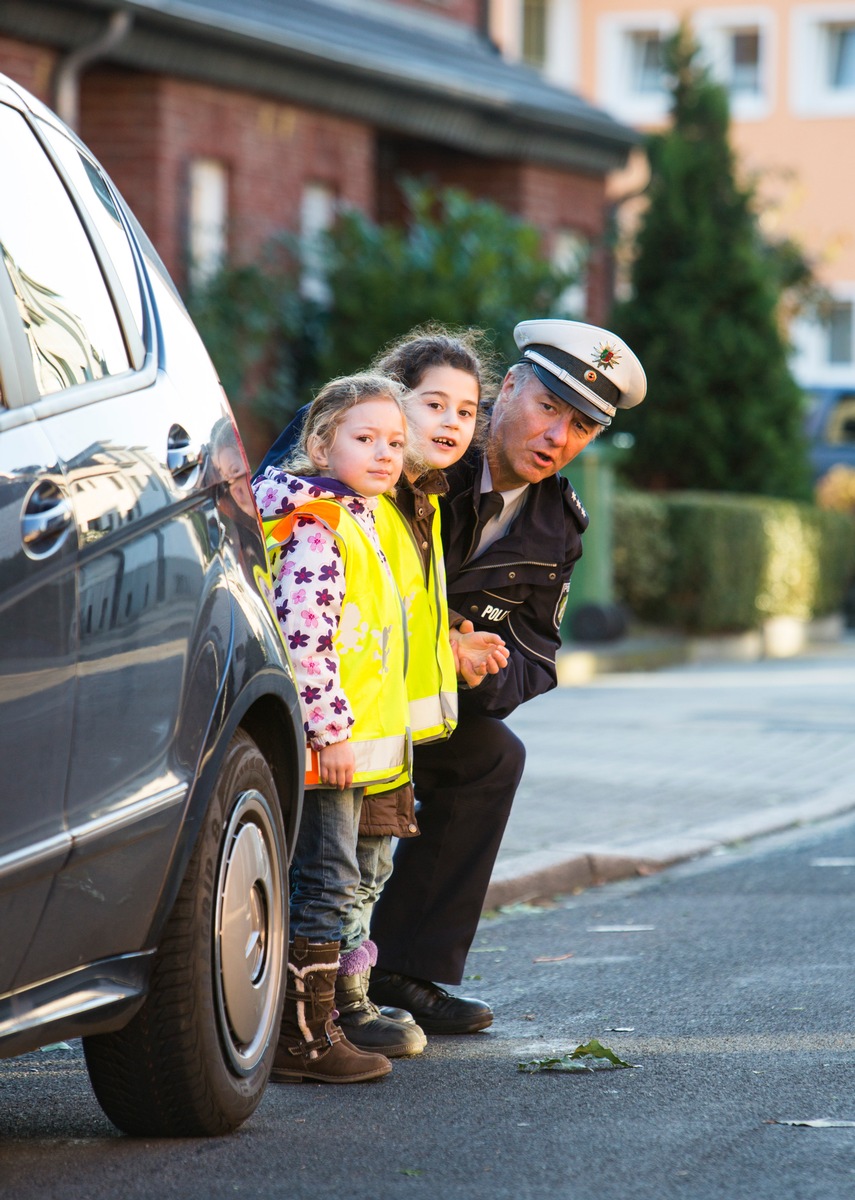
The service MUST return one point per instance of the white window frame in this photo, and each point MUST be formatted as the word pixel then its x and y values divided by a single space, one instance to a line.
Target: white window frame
pixel 615 92
pixel 714 29
pixel 571 251
pixel 207 218
pixel 811 94
pixel 318 207
pixel 561 66
pixel 810 363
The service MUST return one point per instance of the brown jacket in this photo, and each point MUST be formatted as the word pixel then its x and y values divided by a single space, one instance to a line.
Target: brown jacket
pixel 389 813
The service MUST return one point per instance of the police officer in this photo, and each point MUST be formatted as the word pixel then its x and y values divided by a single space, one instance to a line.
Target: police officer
pixel 511 529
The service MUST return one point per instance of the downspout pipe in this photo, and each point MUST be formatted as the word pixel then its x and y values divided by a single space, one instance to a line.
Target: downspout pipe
pixel 66 84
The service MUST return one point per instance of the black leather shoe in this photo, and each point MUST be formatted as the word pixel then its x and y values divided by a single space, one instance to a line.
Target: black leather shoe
pixel 435 1010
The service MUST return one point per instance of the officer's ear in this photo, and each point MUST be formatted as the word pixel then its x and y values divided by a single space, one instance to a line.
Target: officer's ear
pixel 506 393
pixel 509 384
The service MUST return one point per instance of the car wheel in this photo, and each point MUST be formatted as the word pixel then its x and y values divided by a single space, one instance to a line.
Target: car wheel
pixel 195 1059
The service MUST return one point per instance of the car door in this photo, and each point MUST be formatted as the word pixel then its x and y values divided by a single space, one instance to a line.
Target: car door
pixel 130 446
pixel 38 632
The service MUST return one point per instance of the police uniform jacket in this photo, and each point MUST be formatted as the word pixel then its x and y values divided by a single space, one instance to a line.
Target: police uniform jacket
pixel 518 587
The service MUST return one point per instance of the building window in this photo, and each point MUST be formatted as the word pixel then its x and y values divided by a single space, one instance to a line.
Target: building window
pixel 647 63
pixel 631 78
pixel 739 47
pixel 823 76
pixel 841 56
pixel 207 219
pixel 544 34
pixel 839 334
pixel 317 213
pixel 744 73
pixel 825 347
pixel 534 23
pixel 571 253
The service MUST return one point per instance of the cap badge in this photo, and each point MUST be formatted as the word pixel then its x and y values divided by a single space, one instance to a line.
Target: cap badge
pixel 590 377
pixel 606 356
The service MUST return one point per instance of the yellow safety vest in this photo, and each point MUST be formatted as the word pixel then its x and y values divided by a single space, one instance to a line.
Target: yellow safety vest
pixel 370 644
pixel 431 676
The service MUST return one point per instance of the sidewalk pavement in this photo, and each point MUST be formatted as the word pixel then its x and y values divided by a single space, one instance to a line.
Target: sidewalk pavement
pixel 642 768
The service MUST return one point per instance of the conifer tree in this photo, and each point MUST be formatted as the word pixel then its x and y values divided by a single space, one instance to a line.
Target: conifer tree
pixel 723 412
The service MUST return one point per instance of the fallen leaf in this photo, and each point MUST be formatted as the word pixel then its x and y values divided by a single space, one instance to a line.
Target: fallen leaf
pixel 819 1123
pixel 486 949
pixel 552 958
pixel 56 1046
pixel 411 1171
pixel 600 1058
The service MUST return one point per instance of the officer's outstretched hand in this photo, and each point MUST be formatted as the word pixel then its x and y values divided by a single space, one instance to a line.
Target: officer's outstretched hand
pixel 477 654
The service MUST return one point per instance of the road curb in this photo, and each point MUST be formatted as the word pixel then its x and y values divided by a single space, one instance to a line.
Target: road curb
pixel 565 869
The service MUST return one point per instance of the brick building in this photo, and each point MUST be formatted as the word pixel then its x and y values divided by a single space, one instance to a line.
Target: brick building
pixel 224 121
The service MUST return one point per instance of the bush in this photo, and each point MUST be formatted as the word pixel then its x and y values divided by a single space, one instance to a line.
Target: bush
pixel 642 551
pixel 261 333
pixel 457 261
pixel 729 562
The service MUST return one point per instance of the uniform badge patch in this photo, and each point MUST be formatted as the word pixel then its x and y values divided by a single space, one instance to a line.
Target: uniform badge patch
pixel 562 604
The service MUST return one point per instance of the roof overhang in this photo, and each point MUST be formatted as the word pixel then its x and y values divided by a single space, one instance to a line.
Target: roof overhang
pixel 453 90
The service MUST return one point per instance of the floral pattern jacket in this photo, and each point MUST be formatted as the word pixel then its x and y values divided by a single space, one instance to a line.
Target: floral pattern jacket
pixel 309 593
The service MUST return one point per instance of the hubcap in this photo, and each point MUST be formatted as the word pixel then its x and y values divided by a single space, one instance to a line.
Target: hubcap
pixel 249 932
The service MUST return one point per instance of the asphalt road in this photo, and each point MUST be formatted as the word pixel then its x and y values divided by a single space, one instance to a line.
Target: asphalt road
pixel 733 994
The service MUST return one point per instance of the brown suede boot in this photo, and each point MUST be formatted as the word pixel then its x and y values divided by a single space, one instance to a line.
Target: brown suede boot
pixel 366 1027
pixel 311 1047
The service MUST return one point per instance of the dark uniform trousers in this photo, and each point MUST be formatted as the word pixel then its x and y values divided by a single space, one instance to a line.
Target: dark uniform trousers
pixel 426 918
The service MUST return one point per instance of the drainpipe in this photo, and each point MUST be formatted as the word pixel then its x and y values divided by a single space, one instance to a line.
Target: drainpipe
pixel 66 86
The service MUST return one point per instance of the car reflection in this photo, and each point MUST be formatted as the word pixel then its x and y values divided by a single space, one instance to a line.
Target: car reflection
pixel 62 354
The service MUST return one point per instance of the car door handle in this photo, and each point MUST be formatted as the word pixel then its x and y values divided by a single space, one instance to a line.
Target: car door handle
pixel 47 516
pixel 183 457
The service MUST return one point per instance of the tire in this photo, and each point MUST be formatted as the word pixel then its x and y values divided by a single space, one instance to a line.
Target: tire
pixel 194 1061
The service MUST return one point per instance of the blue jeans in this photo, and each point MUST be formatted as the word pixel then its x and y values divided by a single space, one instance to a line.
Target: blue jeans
pixel 325 872
pixel 374 857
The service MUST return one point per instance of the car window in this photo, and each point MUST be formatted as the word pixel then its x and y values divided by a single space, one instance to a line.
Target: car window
pixel 93 191
pixel 62 299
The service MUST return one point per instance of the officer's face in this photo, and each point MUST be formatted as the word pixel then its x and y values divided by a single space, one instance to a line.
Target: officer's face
pixel 533 434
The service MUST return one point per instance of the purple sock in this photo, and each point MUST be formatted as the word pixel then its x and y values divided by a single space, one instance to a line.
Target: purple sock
pixel 354 962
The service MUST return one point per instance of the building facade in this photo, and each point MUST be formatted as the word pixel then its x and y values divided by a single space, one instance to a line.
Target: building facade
pixel 224 122
pixel 790 70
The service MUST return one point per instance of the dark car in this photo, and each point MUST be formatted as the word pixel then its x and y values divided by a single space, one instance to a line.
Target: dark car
pixel 831 429
pixel 150 739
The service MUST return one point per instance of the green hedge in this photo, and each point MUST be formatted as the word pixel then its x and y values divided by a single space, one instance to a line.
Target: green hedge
pixel 711 563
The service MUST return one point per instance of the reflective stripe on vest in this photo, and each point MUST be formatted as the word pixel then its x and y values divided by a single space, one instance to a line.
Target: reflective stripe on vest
pixel 431 675
pixel 370 645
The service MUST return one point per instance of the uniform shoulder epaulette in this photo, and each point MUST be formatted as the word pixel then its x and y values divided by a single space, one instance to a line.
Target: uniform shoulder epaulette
pixel 573 501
